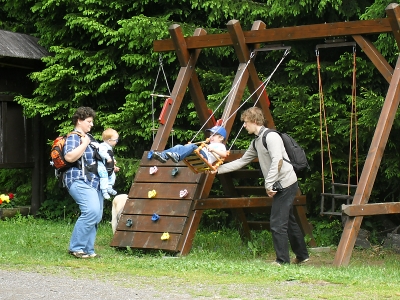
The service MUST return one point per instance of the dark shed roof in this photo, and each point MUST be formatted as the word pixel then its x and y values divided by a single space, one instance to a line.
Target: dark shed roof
pixel 20 45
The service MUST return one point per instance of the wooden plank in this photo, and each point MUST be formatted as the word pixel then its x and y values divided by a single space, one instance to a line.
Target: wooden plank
pixel 239 215
pixel 219 203
pixel 315 31
pixel 144 223
pixel 185 243
pixel 164 174
pixel 259 225
pixel 371 209
pixel 305 227
pixel 236 154
pixel 238 86
pixel 156 206
pixel 393 11
pixel 144 240
pixel 145 162
pixel 170 191
pixel 375 56
pixel 251 190
pixel 246 174
pixel 187 61
pixel 197 94
pixel 374 157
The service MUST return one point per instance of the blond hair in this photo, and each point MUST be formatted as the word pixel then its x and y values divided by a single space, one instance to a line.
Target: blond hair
pixel 108 134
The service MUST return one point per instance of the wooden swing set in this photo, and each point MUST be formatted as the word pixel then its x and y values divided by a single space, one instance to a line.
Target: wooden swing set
pixel 180 195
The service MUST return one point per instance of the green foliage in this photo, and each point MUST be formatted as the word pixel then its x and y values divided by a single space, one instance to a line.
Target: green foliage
pixel 18 182
pixel 327 232
pixel 102 57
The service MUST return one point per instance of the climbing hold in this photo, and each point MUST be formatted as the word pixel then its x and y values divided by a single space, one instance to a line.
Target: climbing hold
pixel 165 236
pixel 183 193
pixel 174 171
pixel 152 194
pixel 150 154
pixel 129 223
pixel 155 217
pixel 153 170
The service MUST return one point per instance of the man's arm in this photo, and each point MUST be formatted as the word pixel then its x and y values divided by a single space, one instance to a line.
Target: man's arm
pixel 237 164
pixel 275 149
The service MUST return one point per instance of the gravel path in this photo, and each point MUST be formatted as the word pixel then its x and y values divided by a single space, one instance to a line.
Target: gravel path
pixel 16 285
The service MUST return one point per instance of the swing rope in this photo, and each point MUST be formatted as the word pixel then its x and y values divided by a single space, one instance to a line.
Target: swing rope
pixel 226 97
pixel 353 122
pixel 264 86
pixel 160 69
pixel 323 123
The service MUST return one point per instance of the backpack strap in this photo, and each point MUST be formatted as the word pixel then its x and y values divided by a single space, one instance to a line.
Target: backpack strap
pixel 263 139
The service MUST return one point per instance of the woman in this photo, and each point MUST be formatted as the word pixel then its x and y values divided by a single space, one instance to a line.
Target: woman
pixel 83 185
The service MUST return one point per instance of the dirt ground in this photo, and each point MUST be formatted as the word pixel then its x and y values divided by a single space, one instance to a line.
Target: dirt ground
pixel 30 285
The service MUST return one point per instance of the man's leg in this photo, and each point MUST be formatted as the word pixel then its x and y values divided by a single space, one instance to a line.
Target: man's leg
pixel 279 221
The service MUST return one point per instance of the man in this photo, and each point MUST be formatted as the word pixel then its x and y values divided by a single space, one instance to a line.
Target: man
pixel 283 224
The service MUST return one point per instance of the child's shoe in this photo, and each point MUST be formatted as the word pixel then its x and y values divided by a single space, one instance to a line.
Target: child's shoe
pixel 112 192
pixel 106 195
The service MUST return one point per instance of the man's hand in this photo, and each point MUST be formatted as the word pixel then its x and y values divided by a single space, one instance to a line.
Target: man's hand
pixel 210 172
pixel 271 193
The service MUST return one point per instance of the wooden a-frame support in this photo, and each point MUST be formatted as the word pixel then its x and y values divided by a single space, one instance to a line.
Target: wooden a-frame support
pixel 188 50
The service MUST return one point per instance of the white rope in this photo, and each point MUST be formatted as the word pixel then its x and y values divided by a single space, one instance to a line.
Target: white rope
pixel 153 94
pixel 264 85
pixel 223 100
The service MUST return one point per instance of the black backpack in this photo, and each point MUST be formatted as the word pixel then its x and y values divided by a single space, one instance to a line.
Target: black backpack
pixel 296 154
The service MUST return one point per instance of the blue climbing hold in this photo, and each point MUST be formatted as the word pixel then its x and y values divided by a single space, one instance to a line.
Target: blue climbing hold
pixel 155 217
pixel 150 154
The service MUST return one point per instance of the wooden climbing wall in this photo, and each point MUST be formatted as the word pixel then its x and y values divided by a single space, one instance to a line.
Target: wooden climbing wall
pixel 175 213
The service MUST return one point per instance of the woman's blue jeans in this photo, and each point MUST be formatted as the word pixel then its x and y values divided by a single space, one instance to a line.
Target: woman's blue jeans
pixel 284 227
pixel 90 203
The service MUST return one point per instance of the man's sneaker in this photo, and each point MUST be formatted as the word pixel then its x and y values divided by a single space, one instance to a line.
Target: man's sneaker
pixel 297 261
pixel 159 157
pixel 173 156
pixel 276 264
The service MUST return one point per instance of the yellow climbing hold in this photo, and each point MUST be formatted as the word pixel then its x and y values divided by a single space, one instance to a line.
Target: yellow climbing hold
pixel 165 236
pixel 152 194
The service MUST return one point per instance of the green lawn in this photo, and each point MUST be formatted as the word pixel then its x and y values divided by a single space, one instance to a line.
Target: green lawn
pixel 218 260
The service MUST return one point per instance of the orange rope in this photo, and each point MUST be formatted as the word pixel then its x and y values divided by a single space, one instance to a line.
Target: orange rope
pixel 322 110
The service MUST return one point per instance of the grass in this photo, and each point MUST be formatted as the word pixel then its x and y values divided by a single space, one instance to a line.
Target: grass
pixel 219 264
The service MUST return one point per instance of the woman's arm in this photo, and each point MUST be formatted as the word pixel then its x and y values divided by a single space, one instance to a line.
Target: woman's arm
pixel 74 154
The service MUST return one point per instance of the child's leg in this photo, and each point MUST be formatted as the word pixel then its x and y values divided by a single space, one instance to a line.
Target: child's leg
pixel 101 169
pixel 182 151
pixel 111 181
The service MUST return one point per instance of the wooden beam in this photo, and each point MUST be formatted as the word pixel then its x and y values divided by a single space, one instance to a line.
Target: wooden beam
pixel 219 203
pixel 197 94
pixel 375 56
pixel 241 77
pixel 371 209
pixel 274 35
pixel 393 12
pixel 187 61
pixel 372 163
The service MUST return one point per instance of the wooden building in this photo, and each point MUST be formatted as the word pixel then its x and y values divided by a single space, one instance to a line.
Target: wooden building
pixel 20 137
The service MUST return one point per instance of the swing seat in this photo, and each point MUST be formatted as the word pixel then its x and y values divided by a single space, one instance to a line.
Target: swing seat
pixel 198 163
pixel 335 195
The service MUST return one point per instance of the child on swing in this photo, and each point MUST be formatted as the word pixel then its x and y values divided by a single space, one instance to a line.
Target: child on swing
pixel 210 152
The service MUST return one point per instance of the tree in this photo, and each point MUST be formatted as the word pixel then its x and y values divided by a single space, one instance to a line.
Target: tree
pixel 102 57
